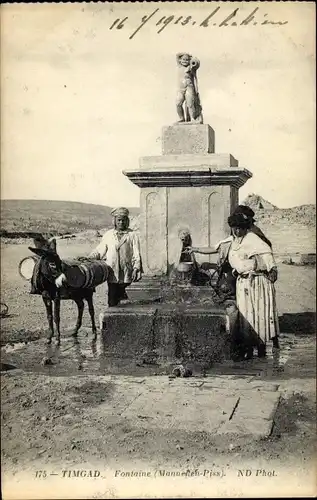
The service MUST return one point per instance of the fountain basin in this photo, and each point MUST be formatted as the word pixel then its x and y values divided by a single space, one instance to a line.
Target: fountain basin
pixel 173 333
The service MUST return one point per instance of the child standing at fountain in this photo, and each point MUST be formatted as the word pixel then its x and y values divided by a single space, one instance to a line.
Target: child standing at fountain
pixel 253 263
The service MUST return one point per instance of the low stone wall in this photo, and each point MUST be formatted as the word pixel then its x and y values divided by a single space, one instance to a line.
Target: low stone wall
pixel 299 259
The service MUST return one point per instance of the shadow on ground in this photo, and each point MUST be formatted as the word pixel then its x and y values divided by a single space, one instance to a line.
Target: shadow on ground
pixel 299 323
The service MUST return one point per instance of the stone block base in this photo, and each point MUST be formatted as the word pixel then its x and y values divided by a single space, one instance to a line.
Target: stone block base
pixel 188 138
pixel 148 289
pixel 167 334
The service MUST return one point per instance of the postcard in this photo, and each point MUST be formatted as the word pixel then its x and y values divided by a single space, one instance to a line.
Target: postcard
pixel 158 227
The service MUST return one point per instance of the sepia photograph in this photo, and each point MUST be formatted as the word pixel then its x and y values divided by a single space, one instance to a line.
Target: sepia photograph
pixel 158 250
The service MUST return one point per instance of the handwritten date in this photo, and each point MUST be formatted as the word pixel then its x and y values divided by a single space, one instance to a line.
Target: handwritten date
pixel 254 18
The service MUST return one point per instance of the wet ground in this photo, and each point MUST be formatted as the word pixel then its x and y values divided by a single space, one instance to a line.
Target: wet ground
pixel 90 357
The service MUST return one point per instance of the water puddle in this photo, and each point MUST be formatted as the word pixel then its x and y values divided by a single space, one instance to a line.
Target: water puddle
pixel 8 348
pixel 86 356
pixel 169 335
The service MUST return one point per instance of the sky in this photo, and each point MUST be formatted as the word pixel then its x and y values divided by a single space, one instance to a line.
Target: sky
pixel 82 102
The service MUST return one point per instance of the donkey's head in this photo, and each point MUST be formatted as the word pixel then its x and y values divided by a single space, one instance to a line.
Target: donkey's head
pixel 50 265
pixel 42 243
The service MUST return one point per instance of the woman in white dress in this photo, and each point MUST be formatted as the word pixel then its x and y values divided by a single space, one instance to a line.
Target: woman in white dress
pixel 253 264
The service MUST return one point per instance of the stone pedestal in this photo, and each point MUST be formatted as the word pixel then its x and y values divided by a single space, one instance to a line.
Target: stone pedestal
pixel 195 189
pixel 188 138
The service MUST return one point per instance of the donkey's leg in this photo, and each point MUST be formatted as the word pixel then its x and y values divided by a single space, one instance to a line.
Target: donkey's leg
pixel 80 305
pixel 57 318
pixel 49 312
pixel 92 315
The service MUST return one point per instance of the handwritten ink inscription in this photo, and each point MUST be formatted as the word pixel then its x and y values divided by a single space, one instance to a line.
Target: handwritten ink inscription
pixel 214 19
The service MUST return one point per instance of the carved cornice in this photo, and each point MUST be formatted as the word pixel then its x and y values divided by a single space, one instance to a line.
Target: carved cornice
pixel 186 177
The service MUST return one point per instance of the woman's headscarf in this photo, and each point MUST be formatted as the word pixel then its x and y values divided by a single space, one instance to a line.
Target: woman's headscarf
pixel 243 212
pixel 246 211
pixel 239 220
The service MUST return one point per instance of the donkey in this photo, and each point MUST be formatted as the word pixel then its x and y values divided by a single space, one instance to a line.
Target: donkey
pixel 47 269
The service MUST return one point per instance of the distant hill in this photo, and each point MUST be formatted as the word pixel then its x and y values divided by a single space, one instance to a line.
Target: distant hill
pixel 55 217
pixel 256 202
pixel 289 229
pixel 265 211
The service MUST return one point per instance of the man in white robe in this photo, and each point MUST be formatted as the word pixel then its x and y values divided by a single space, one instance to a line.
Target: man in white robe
pixel 120 248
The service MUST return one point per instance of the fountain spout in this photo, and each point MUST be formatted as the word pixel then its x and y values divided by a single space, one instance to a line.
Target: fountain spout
pixel 188 270
pixel 187 263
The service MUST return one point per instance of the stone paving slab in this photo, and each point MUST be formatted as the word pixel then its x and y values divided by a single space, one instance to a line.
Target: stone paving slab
pixel 158 403
pixel 243 385
pixel 257 427
pixel 253 415
pixel 181 410
pixel 256 405
pixel 210 383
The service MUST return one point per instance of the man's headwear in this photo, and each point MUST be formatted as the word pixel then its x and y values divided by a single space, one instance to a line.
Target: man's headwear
pixel 120 211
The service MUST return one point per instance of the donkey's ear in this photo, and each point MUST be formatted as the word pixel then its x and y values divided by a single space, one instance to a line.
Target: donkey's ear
pixel 52 244
pixel 39 241
pixel 43 252
pixel 38 251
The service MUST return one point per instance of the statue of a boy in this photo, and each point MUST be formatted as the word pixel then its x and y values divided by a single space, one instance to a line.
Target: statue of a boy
pixel 188 101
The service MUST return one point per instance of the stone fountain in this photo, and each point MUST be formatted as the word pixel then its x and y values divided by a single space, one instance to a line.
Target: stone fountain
pixel 187 191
